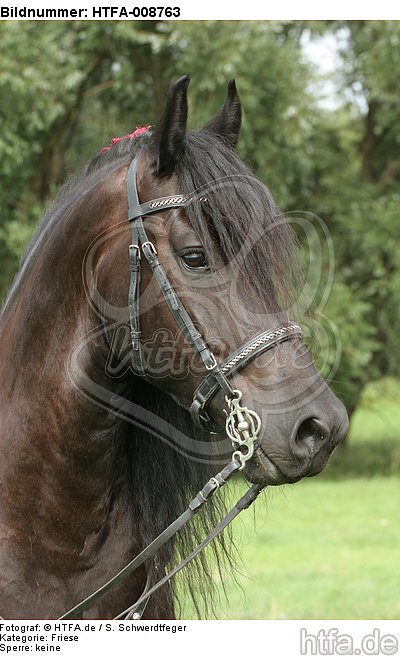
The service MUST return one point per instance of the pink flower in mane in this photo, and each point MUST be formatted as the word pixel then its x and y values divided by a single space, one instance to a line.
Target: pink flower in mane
pixel 139 130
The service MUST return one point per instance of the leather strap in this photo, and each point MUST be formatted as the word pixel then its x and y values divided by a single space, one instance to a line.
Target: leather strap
pixel 162 203
pixel 234 363
pixel 218 373
pixel 176 307
pixel 140 239
pixel 216 379
pixel 194 506
pixel 133 302
pixel 137 612
pixel 137 209
pixel 244 502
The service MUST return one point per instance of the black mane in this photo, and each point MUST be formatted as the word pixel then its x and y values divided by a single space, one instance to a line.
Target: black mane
pixel 242 218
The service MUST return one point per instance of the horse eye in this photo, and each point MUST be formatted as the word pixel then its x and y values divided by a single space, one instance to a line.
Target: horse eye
pixel 194 260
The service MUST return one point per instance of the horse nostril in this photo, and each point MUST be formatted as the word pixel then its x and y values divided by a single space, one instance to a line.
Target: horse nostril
pixel 311 433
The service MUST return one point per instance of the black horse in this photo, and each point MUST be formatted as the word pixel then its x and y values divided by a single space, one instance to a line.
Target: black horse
pixel 97 458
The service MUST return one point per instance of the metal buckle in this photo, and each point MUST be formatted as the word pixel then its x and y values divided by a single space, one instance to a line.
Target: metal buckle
pixel 209 367
pixel 151 247
pixel 216 483
pixel 135 247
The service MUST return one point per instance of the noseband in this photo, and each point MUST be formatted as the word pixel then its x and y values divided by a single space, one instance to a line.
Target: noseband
pixel 242 425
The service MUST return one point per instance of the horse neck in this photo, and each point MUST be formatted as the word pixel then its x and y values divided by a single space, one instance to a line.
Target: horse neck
pixel 53 440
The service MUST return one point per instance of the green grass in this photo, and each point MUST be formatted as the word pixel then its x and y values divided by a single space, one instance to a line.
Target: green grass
pixel 327 547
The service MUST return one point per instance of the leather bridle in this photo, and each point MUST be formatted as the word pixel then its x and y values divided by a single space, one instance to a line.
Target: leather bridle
pixel 218 373
pixel 242 425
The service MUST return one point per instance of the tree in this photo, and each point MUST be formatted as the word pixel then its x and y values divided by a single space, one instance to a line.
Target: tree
pixel 68 87
pixel 361 198
pixel 63 87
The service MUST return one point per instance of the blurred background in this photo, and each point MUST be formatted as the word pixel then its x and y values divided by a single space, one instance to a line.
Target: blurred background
pixel 322 128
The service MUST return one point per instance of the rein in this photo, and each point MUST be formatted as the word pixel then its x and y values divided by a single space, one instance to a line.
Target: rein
pixel 194 506
pixel 242 425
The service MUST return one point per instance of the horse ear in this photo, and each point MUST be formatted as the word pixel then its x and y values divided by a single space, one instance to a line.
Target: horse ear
pixel 226 122
pixel 172 127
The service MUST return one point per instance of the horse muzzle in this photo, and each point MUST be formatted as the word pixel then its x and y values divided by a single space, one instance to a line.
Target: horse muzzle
pixel 278 459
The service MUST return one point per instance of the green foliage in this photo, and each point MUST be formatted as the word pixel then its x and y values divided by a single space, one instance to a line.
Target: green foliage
pixel 386 392
pixel 372 64
pixel 64 88
pixel 67 87
pixel 374 449
pixel 272 75
pixel 358 342
pixel 354 186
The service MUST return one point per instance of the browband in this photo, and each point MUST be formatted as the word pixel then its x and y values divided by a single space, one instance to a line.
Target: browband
pixel 137 209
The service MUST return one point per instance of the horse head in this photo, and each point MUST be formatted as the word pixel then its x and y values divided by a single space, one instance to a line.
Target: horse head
pixel 209 238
